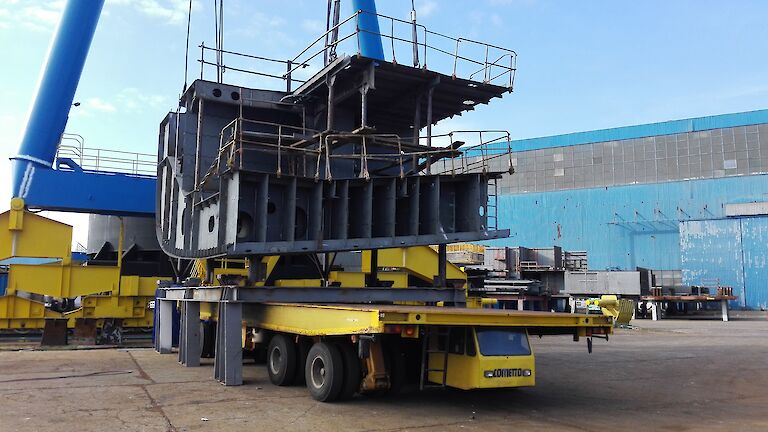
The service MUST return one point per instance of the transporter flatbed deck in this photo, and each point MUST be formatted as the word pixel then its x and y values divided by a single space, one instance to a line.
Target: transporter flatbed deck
pixel 343 319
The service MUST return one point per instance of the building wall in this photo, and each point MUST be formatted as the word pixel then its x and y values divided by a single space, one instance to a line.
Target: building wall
pixel 713 153
pixel 622 227
pixel 622 194
pixel 730 252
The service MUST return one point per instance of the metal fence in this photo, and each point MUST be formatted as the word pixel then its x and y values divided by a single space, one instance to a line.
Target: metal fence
pixel 72 147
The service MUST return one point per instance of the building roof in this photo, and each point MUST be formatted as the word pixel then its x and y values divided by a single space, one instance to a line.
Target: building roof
pixel 644 130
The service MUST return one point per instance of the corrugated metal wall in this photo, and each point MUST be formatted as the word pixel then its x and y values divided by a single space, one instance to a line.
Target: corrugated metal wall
pixel 733 252
pixel 754 240
pixel 622 227
pixel 711 253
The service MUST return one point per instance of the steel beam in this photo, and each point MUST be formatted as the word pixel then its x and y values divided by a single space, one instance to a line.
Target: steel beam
pixel 190 348
pixel 315 295
pixel 228 360
pixel 164 325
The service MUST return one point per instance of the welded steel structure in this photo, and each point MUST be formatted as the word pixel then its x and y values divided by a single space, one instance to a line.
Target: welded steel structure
pixel 336 164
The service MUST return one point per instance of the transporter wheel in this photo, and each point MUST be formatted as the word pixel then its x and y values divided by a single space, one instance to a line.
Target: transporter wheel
pixel 353 374
pixel 324 372
pixel 281 360
pixel 302 350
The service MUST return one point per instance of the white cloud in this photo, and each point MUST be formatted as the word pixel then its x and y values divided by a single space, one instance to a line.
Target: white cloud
pixel 313 26
pixel 425 8
pixel 97 104
pixel 268 30
pixel 33 15
pixel 130 100
pixel 133 100
pixel 91 106
pixel 10 133
pixel 172 11
pixel 513 2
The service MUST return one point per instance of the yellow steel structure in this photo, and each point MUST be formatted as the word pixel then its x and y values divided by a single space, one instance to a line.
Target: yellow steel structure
pixel 419 261
pixel 395 266
pixel 335 320
pixel 467 369
pixel 38 254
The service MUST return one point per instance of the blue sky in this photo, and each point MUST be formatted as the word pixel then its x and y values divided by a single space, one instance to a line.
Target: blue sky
pixel 582 65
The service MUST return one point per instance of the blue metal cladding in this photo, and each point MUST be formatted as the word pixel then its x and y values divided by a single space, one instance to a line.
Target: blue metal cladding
pixel 711 253
pixel 369 35
pixel 622 227
pixel 645 130
pixel 731 252
pixel 754 241
pixel 55 92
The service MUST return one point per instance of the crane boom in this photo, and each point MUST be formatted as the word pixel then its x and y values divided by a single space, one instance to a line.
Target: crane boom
pixel 55 92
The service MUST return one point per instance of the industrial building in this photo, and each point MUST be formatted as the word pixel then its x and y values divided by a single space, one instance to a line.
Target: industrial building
pixel 687 196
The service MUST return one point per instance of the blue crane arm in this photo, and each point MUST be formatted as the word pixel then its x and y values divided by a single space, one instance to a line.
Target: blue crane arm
pixel 368 24
pixel 35 180
pixel 55 92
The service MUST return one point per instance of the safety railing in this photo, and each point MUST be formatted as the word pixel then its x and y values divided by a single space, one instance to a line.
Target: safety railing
pixel 459 57
pixel 242 136
pixel 488 151
pixel 253 65
pixel 101 160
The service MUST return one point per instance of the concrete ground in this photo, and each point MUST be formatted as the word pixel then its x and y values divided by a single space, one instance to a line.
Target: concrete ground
pixel 672 375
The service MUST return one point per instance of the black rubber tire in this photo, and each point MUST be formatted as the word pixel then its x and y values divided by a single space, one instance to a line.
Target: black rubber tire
pixel 302 350
pixel 353 374
pixel 281 360
pixel 324 372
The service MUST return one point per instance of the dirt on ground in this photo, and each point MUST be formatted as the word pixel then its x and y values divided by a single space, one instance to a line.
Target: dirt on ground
pixel 672 375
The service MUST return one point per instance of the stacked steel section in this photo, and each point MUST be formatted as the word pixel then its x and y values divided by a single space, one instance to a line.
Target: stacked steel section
pixel 335 164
